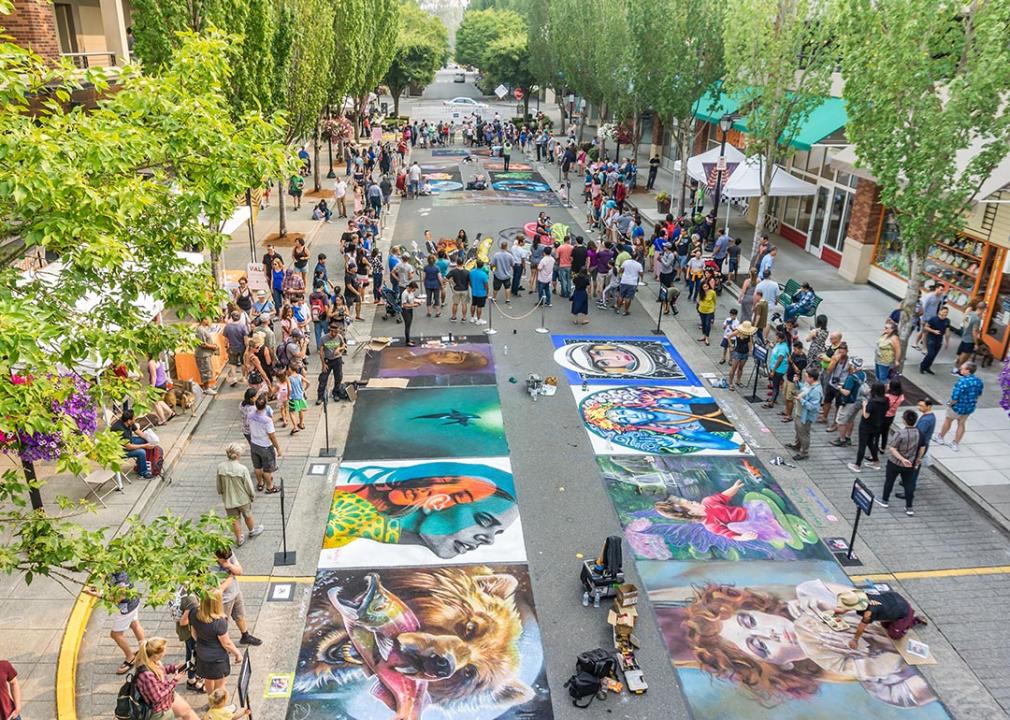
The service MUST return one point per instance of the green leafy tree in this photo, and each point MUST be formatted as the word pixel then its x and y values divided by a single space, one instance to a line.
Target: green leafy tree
pixel 677 65
pixel 115 193
pixel 779 59
pixel 479 29
pixel 926 93
pixel 507 61
pixel 157 25
pixel 422 47
pixel 308 85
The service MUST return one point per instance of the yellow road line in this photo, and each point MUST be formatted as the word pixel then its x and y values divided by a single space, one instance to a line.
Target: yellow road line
pixel 925 574
pixel 299 579
pixel 66 664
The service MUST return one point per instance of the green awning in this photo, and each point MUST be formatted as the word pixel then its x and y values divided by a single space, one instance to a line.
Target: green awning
pixel 823 120
pixel 710 109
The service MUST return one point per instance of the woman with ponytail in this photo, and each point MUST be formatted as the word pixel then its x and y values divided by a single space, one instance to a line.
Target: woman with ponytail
pixel 157 682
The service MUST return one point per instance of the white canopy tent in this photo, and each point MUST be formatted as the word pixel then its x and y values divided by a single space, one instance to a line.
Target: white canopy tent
pixel 696 164
pixel 745 182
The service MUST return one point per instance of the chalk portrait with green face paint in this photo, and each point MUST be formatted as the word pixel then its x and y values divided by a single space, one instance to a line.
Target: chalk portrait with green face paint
pixel 436 512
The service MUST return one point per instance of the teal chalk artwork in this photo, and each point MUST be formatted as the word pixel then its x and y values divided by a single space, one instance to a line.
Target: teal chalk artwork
pixel 705 508
pixel 397 513
pixel 390 424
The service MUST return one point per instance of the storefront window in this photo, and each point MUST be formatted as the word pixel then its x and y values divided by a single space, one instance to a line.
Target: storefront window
pixel 955 263
pixel 800 161
pixel 999 321
pixel 816 160
pixel 839 212
pixel 789 216
pixel 806 209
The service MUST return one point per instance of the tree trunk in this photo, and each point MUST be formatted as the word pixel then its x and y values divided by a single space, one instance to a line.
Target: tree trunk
pixel 766 185
pixel 282 210
pixel 315 158
pixel 526 105
pixel 656 147
pixel 216 268
pixel 915 279
pixel 603 138
pixel 685 135
pixel 396 101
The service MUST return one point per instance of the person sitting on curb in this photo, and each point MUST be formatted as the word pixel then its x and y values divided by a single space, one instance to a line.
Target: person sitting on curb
pixel 235 486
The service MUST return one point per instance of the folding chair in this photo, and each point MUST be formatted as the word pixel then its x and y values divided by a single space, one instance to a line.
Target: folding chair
pixel 96 480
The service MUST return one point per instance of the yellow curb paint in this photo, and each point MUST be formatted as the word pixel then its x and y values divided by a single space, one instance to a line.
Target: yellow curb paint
pixel 66 664
pixel 925 574
pixel 300 579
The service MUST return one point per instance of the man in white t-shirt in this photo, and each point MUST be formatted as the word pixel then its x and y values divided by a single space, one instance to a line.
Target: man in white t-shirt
pixel 631 272
pixel 413 180
pixel 340 196
pixel 263 446
pixel 769 288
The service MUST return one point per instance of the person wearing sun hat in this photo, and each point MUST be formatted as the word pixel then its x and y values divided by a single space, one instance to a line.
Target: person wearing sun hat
pixel 887 607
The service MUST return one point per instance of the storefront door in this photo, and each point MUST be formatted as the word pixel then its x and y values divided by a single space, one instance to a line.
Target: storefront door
pixel 817 221
pixel 996 321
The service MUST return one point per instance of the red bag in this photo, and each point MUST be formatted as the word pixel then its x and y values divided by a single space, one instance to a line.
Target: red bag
pixel 155 460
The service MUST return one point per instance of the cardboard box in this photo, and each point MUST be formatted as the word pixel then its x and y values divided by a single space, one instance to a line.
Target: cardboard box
pixel 627 595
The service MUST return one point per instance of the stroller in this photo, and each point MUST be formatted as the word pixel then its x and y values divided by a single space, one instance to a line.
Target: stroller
pixel 392 301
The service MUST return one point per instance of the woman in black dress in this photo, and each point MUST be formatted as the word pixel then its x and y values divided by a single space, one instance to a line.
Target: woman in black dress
pixel 213 645
pixel 870 426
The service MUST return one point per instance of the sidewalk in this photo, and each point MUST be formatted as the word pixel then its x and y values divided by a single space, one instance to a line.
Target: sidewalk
pixel 858 311
pixel 59 641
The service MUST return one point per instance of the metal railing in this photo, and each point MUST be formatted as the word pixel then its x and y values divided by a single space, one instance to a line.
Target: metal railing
pixel 84 60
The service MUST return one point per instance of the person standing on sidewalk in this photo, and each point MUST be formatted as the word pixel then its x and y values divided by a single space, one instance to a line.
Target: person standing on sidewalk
pixel 459 285
pixel 408 301
pixel 506 155
pixel 887 354
pixel 564 260
pixel 936 330
pixel 340 196
pixel 778 363
pixel 809 397
pixel 478 292
pixel 721 248
pixel 963 399
pixel 654 162
pixel 264 447
pixel 10 692
pixel 124 616
pixel 206 348
pixel 931 302
pixel 544 274
pixel 926 425
pixel 331 356
pixel 849 395
pixel 235 486
pixel 794 376
pixel 228 569
pixel 971 333
pixel 871 422
pixel 903 461
pixel 213 645
pixel 235 332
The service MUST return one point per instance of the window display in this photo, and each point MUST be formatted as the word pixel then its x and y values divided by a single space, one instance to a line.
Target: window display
pixel 954 263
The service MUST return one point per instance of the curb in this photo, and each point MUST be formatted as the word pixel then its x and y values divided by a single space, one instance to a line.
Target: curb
pixel 965 491
pixel 84 605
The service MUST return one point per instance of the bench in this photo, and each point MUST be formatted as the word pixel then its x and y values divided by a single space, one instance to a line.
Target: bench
pixel 789 292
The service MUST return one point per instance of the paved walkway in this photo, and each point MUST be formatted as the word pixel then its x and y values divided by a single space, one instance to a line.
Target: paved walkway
pixel 947 552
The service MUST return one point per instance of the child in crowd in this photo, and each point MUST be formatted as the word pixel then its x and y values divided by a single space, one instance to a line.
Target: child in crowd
pixel 283 393
pixel 728 326
pixel 297 385
pixel 219 709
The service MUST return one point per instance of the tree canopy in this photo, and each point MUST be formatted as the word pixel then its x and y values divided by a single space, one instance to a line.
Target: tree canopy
pixel 422 47
pixel 480 28
pixel 115 193
pixel 926 81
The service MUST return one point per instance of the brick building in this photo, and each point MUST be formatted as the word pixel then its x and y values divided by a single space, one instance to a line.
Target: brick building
pixel 89 32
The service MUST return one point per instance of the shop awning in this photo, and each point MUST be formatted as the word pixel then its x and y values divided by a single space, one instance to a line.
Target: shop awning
pixel 711 106
pixel 822 121
pixel 700 167
pixel 746 181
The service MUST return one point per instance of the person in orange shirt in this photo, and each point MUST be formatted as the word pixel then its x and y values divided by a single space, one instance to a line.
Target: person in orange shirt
pixel 564 257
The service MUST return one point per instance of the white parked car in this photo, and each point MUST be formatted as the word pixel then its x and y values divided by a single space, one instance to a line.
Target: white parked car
pixel 465 103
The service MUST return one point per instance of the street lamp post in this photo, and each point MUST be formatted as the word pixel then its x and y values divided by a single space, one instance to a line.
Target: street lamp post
pixel 329 143
pixel 725 123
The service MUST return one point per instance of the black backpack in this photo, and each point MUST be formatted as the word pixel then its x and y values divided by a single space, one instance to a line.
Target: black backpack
pixel 582 685
pixel 130 704
pixel 599 662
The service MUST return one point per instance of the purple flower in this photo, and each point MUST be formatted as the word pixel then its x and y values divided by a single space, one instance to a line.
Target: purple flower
pixel 1004 384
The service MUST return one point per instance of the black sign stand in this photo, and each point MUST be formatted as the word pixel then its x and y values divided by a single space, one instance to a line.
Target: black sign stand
pixel 659 320
pixel 862 496
pixel 328 451
pixel 285 557
pixel 760 355
pixel 244 676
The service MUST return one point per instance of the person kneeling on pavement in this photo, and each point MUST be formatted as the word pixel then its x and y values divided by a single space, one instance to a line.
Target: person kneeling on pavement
pixel 136 445
pixel 887 607
pixel 235 486
pixel 228 569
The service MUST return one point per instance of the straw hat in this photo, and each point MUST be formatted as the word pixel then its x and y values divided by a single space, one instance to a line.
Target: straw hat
pixel 746 328
pixel 854 600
